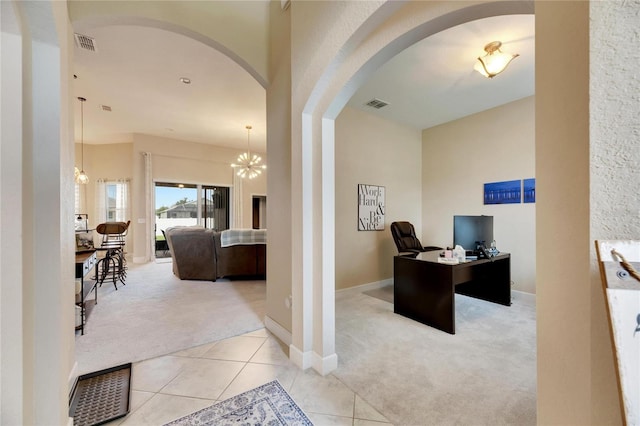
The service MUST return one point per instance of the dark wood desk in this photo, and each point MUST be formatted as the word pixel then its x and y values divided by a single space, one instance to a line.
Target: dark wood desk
pixel 424 289
pixel 85 262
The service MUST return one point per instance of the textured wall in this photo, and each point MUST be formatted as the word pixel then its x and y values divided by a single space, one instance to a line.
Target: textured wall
pixel 615 119
pixel 614 175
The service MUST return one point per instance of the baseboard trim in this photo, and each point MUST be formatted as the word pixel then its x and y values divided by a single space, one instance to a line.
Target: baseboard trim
pixel 140 259
pixel 279 331
pixel 523 295
pixel 325 365
pixel 364 287
pixel 302 360
pixel 73 375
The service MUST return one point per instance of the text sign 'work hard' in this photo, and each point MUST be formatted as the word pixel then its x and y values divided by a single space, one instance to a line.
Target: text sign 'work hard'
pixel 370 207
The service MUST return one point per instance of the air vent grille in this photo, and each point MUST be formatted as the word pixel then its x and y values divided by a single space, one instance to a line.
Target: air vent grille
pixel 377 103
pixel 85 42
pixel 106 108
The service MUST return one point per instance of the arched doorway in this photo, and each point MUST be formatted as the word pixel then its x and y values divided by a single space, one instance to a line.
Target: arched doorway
pixel 371 45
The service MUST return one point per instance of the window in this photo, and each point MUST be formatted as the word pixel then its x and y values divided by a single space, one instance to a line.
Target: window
pixel 113 201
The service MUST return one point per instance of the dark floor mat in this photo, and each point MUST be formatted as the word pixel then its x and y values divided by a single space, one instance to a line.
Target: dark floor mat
pixel 101 396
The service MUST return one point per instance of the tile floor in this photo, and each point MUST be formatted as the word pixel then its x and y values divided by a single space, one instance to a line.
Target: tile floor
pixel 171 386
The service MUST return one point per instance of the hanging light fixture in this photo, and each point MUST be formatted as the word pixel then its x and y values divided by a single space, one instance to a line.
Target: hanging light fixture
pixel 495 61
pixel 248 164
pixel 81 176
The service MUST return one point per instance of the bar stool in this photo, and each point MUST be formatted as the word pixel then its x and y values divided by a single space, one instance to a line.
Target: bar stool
pixel 113 266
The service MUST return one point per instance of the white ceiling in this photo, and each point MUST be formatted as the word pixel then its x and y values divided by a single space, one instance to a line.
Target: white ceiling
pixel 136 71
pixel 434 82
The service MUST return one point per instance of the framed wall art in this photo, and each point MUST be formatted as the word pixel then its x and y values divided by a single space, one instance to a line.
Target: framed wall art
pixel 84 241
pixel 529 190
pixel 507 192
pixel 370 207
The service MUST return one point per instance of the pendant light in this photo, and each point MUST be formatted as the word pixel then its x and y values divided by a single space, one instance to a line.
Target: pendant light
pixel 248 165
pixel 495 61
pixel 82 177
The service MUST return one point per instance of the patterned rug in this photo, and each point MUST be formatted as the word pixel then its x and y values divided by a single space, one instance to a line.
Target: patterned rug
pixel 268 404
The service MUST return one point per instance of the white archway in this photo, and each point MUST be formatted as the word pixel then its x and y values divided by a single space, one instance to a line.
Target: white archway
pixel 384 34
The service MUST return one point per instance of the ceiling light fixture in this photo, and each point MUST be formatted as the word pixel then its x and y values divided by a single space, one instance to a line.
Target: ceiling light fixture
pixel 495 61
pixel 185 80
pixel 248 165
pixel 81 177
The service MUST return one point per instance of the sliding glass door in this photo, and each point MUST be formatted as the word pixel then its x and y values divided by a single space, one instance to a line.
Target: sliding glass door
pixel 180 204
pixel 216 207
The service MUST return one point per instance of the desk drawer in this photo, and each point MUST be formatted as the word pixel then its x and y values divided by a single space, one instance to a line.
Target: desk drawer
pixel 84 267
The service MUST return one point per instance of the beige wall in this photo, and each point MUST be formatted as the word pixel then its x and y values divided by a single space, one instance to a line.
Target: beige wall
pixel 574 378
pixel 175 160
pixel 189 162
pixel 13 366
pixel 570 389
pixel 614 157
pixel 36 232
pixel 108 162
pixel 279 180
pixel 374 151
pixel 459 157
pixel 172 161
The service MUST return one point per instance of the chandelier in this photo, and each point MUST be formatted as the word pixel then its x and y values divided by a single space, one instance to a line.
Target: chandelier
pixel 248 164
pixel 79 175
pixel 495 61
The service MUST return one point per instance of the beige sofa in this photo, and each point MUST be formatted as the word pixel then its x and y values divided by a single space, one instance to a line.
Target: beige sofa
pixel 198 255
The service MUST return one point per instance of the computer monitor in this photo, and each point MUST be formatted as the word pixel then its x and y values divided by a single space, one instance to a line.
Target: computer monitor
pixel 469 231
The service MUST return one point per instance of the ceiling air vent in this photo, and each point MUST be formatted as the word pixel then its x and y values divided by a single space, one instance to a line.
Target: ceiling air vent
pixel 106 108
pixel 85 42
pixel 377 103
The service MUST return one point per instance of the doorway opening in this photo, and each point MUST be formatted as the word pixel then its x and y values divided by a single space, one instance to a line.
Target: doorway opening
pixel 259 211
pixel 181 204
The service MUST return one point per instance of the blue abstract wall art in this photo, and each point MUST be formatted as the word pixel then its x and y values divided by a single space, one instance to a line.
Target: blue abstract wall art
pixel 529 189
pixel 507 192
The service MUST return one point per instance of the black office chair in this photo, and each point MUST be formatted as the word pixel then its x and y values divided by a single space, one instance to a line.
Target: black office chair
pixel 404 235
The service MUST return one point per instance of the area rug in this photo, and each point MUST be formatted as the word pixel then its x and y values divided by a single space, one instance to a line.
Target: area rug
pixel 268 404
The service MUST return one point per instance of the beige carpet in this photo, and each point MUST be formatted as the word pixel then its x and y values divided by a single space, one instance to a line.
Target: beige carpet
pixel 413 374
pixel 156 314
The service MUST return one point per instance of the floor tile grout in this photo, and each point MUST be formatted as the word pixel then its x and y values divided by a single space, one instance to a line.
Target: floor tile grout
pixel 295 381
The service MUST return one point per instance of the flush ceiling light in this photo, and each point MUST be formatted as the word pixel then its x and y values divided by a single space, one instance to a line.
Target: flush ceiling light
pixel 248 165
pixel 495 61
pixel 81 176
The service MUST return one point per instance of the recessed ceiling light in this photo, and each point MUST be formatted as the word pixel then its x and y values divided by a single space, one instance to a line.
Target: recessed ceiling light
pixel 185 80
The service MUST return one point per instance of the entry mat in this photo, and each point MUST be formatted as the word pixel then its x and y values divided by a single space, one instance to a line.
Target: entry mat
pixel 101 396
